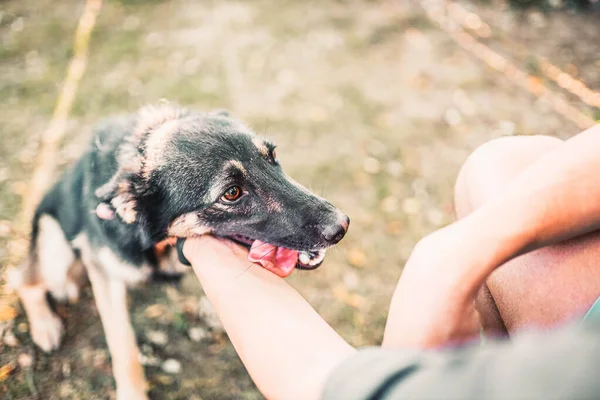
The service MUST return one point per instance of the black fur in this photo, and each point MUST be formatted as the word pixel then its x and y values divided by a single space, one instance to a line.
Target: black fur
pixel 195 168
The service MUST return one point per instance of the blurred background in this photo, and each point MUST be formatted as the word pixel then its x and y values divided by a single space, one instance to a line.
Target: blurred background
pixel 373 104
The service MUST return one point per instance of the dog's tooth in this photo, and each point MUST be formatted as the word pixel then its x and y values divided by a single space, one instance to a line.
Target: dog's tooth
pixel 316 258
pixel 303 257
pixel 320 256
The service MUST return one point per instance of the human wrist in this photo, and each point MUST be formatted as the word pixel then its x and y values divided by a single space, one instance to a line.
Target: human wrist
pixel 217 260
pixel 204 261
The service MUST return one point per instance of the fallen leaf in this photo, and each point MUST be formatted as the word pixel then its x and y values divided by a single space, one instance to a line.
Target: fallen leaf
pixel 535 84
pixel 155 311
pixel 355 300
pixel 357 258
pixel 7 313
pixel 340 292
pixel 393 227
pixel 352 299
pixel 190 305
pixel 165 379
pixel 6 371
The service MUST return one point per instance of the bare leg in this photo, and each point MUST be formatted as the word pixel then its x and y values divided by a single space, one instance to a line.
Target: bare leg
pixel 541 289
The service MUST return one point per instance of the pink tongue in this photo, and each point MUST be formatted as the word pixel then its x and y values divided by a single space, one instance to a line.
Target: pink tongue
pixel 279 260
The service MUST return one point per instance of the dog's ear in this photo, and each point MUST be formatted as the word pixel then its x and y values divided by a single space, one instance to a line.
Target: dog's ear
pixel 137 157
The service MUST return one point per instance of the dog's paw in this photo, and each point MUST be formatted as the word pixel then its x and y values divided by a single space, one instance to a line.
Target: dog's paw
pixel 131 393
pixel 47 331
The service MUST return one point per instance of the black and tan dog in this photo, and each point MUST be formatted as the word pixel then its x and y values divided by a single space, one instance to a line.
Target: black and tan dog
pixel 164 172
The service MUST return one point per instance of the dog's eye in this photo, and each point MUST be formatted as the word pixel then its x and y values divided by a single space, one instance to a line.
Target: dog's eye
pixel 232 194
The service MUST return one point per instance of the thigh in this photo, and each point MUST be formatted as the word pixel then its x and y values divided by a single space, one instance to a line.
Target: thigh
pixel 541 289
pixel 550 286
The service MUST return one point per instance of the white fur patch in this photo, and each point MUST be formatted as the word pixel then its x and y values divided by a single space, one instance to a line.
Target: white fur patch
pixel 55 257
pixel 118 269
pixel 107 261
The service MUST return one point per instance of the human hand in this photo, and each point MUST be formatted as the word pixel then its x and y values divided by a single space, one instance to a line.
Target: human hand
pixel 433 304
pixel 278 260
pixel 213 252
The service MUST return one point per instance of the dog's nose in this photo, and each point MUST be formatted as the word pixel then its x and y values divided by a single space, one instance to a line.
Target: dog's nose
pixel 336 232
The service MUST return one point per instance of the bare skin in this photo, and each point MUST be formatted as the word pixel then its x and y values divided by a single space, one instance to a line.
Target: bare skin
pixel 552 200
pixel 290 351
pixel 288 348
pixel 546 287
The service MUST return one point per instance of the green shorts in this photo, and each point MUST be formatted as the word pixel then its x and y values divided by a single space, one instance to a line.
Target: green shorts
pixel 594 311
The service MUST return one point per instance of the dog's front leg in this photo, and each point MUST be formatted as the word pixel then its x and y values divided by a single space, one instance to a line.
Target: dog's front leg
pixel 111 299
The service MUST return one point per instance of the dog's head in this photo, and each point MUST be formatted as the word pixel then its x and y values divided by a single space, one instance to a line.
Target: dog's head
pixel 184 174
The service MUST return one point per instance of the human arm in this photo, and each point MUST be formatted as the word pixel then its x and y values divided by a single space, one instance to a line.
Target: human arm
pixel 555 198
pixel 288 349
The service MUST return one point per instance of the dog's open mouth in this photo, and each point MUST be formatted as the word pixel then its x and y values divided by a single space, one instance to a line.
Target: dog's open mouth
pixel 280 260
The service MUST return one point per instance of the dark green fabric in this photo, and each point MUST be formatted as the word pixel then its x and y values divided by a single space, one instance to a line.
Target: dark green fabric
pixel 562 364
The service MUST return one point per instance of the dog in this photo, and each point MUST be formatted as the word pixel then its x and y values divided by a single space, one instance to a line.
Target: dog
pixel 164 172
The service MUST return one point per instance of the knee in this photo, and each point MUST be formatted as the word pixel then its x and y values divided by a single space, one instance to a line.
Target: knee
pixel 489 169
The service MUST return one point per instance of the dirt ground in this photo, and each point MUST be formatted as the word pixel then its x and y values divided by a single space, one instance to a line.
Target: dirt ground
pixel 372 105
